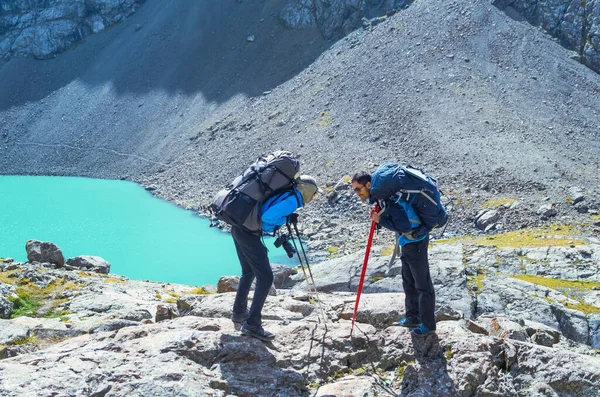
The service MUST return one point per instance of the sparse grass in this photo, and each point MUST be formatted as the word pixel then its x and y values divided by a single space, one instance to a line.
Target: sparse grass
pixel 554 235
pixel 158 296
pixel 25 303
pixel 402 368
pixel 73 286
pixel 174 295
pixel 324 119
pixel 583 307
pixel 171 300
pixel 476 281
pixel 448 353
pixel 376 278
pixel 333 249
pixel 115 280
pixel 199 291
pixel 341 373
pixel 6 278
pixel 61 314
pixel 498 202
pixel 557 284
pixel 569 288
pixel 28 340
pixel 387 251
pixel 29 299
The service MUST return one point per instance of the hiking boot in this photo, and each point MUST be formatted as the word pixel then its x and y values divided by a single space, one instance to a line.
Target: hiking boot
pixel 422 331
pixel 238 319
pixel 407 322
pixel 257 332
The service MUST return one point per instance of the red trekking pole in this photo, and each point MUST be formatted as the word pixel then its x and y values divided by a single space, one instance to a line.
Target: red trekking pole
pixel 364 269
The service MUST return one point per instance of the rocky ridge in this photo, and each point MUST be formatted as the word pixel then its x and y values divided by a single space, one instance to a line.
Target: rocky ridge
pixel 43 29
pixel 516 316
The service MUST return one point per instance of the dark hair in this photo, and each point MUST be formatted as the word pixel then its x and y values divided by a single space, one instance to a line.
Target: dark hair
pixel 361 177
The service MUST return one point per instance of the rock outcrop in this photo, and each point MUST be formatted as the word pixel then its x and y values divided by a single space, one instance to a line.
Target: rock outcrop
pixel 575 24
pixel 42 29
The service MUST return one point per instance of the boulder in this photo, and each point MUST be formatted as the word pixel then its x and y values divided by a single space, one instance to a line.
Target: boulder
pixel 44 252
pixel 546 211
pixel 165 312
pixel 575 195
pixel 281 274
pixel 487 218
pixel 89 263
pixel 228 284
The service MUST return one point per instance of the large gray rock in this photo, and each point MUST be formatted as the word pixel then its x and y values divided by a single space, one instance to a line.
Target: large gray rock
pixel 44 252
pixel 281 274
pixel 89 263
pixel 11 331
pixel 486 218
pixel 228 284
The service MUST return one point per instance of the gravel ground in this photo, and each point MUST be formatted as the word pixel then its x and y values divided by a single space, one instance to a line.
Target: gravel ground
pixel 177 98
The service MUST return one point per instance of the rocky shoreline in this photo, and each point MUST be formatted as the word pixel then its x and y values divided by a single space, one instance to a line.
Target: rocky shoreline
pixel 517 315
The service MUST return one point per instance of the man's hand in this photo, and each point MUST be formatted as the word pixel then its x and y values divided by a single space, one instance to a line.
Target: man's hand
pixel 375 214
pixel 293 218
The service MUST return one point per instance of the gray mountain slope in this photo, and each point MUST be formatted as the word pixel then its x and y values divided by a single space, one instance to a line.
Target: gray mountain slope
pixel 473 96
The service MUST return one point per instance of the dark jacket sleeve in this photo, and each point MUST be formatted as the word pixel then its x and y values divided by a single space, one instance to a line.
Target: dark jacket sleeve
pixel 395 219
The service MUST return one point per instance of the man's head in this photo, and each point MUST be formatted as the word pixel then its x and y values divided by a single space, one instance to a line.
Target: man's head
pixel 361 184
pixel 307 185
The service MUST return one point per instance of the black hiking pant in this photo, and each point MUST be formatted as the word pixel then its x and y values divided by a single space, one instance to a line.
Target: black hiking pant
pixel 417 284
pixel 255 264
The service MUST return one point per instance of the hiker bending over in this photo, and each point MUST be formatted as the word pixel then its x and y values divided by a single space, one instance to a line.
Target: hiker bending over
pixel 253 255
pixel 397 214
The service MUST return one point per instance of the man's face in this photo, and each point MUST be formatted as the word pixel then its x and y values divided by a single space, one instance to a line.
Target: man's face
pixel 362 191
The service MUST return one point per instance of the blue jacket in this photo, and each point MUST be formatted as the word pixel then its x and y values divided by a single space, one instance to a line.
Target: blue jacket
pixel 400 216
pixel 276 209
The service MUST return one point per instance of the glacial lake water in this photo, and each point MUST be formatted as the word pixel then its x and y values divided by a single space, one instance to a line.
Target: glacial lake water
pixel 143 237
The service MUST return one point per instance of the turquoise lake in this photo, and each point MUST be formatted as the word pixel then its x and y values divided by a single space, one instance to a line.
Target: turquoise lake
pixel 143 237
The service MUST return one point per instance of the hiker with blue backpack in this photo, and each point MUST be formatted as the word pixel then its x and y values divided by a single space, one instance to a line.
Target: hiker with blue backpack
pixel 408 203
pixel 260 201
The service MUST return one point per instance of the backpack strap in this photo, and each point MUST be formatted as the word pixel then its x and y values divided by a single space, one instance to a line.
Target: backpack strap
pixel 293 188
pixel 408 194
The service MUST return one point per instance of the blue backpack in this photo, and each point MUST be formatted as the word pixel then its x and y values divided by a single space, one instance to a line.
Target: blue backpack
pixel 414 186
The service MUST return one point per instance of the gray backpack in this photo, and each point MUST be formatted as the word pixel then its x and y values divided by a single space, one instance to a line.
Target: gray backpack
pixel 239 203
